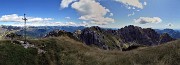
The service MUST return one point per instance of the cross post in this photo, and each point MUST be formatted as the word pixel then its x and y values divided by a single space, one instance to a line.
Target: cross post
pixel 25 19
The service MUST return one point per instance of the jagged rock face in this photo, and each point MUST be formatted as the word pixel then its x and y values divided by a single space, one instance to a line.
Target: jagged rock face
pixel 130 33
pixel 152 35
pixel 165 38
pixel 93 35
pixel 57 33
pixel 13 36
pixel 138 35
pixel 114 39
pixel 103 38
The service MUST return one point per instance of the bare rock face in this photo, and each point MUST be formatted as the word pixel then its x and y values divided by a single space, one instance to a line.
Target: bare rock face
pixel 94 35
pixel 134 34
pixel 57 33
pixel 138 35
pixel 165 38
pixel 152 34
pixel 115 39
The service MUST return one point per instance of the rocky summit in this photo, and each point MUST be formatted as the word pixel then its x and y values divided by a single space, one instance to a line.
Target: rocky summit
pixel 115 39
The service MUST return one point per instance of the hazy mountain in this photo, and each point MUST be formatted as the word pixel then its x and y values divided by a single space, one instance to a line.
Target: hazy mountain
pixel 39 31
pixel 171 32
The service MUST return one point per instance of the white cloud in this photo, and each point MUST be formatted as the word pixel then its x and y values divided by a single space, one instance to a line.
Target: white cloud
pixel 129 7
pixel 111 14
pixel 92 11
pixel 12 17
pixel 47 23
pixel 37 21
pixel 170 24
pixel 134 3
pixel 16 18
pixel 70 24
pixel 67 24
pixel 68 17
pixel 131 14
pixel 65 3
pixel 84 23
pixel 133 8
pixel 107 10
pixel 32 19
pixel 145 20
pixel 145 3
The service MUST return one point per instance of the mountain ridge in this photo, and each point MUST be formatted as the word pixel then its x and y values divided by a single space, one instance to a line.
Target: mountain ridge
pixel 171 32
pixel 109 39
pixel 64 50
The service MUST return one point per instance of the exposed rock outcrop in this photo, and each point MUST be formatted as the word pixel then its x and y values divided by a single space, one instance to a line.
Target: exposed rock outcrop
pixel 138 35
pixel 115 39
pixel 99 37
pixel 165 38
pixel 57 33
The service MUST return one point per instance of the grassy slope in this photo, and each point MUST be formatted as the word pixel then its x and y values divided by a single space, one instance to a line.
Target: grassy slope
pixel 66 51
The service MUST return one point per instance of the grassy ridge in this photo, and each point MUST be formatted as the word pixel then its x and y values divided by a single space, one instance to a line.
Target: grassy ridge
pixel 66 51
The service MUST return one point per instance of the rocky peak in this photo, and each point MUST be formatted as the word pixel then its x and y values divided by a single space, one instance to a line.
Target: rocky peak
pixel 57 33
pixel 90 36
pixel 168 30
pixel 165 38
pixel 115 39
pixel 131 27
pixel 130 30
pixel 96 28
pixel 151 33
pixel 107 38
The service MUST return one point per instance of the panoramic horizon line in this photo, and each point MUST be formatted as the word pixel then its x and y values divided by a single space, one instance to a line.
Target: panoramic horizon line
pixel 89 26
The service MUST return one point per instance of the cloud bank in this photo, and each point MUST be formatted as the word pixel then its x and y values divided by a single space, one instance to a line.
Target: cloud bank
pixel 16 18
pixel 51 24
pixel 92 11
pixel 145 20
pixel 37 21
pixel 65 3
pixel 134 3
pixel 170 24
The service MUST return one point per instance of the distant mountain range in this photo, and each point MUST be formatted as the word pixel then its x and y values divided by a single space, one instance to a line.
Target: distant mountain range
pixel 39 31
pixel 171 32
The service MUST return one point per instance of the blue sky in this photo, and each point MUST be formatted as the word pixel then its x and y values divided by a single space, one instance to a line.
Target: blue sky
pixel 105 13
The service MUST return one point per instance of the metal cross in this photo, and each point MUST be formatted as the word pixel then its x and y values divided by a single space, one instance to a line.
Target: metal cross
pixel 25 19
